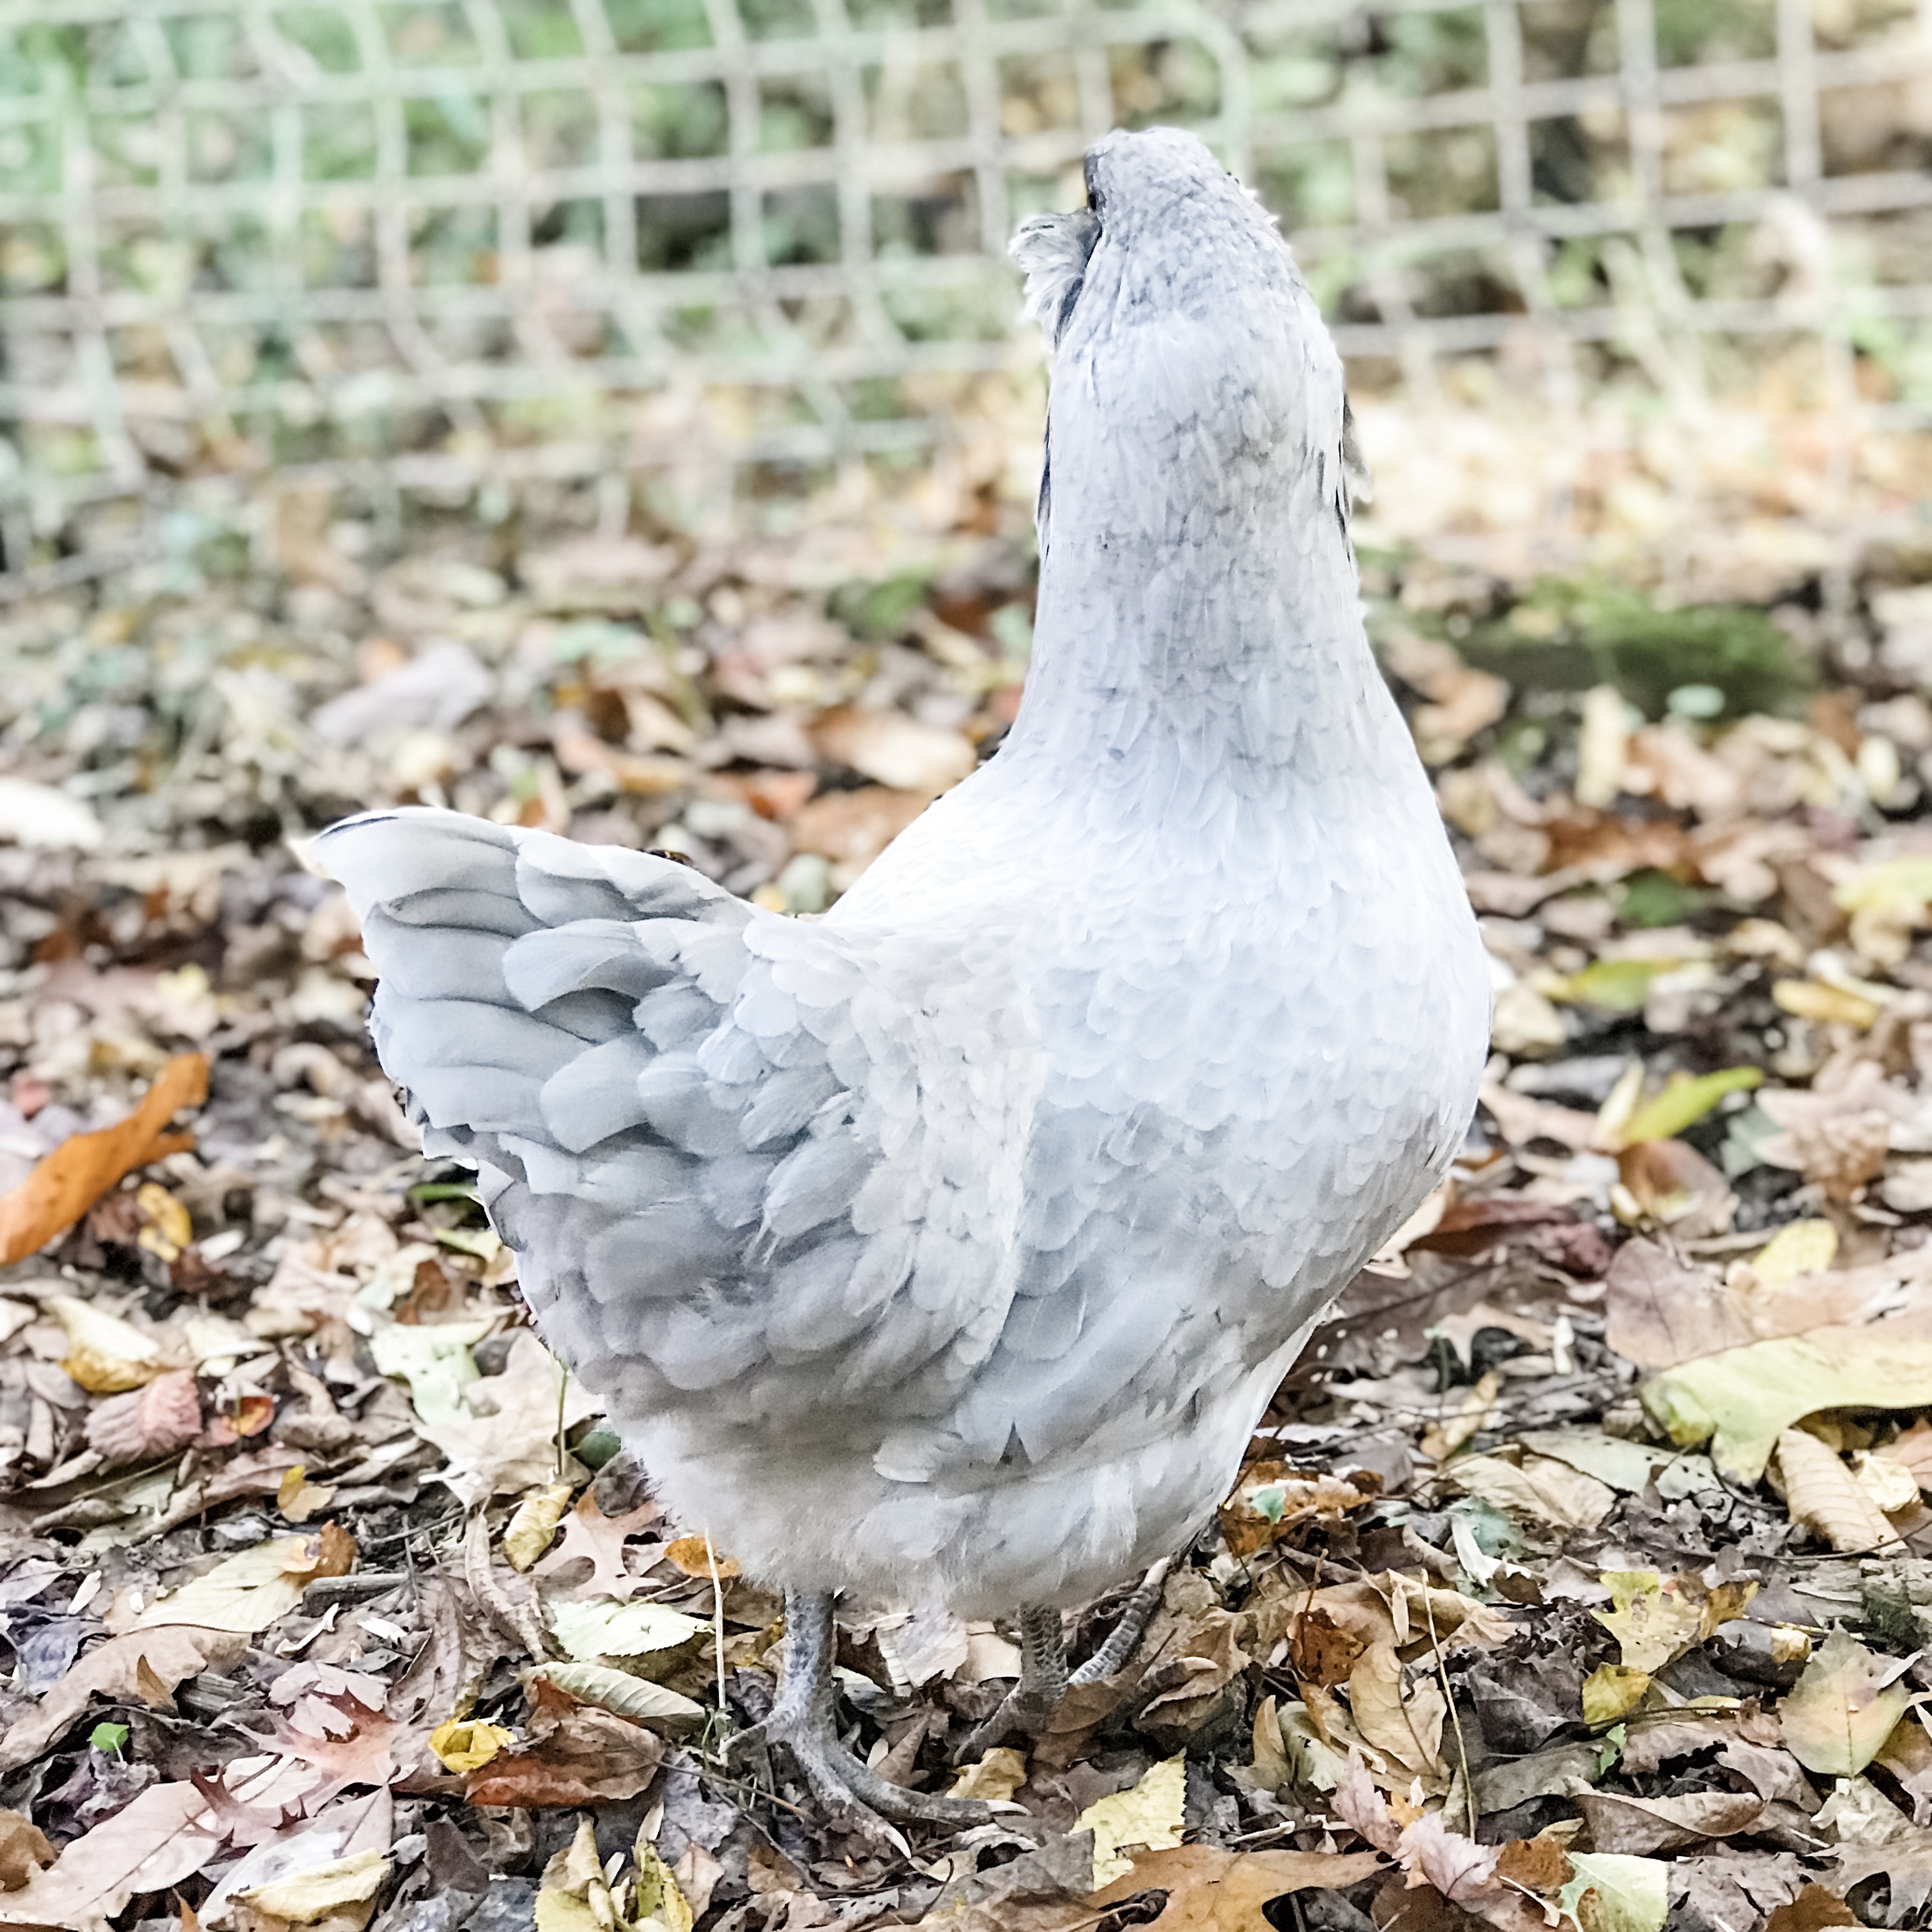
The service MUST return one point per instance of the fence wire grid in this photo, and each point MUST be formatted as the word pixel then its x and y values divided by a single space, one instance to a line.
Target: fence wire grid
pixel 460 246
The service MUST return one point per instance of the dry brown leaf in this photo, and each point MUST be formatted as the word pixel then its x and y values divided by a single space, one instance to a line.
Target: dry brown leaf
pixel 1812 1910
pixel 1669 1181
pixel 156 1419
pixel 1838 1139
pixel 1458 1868
pixel 583 1755
pixel 591 1537
pixel 1622 1824
pixel 163 1835
pixel 997 1776
pixel 1659 1311
pixel 1209 1890
pixel 1538 1487
pixel 1821 1491
pixel 65 1184
pixel 1319 1651
pixel 122 1667
pixel 24 1849
pixel 1407 1727
pixel 897 751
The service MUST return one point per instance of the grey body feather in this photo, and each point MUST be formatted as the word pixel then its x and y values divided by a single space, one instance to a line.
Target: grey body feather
pixel 951 1246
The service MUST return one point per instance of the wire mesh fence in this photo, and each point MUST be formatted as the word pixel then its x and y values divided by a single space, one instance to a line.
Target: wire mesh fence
pixel 489 244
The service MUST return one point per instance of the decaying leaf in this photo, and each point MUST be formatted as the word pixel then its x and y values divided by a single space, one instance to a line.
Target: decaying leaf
pixel 163 1835
pixel 145 1665
pixel 1610 1891
pixel 1843 1707
pixel 248 1592
pixel 67 1182
pixel 158 1418
pixel 24 1849
pixel 636 1698
pixel 1404 1725
pixel 1149 1816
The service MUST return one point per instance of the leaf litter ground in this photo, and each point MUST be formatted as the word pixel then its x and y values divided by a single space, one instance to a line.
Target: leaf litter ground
pixel 1579 1571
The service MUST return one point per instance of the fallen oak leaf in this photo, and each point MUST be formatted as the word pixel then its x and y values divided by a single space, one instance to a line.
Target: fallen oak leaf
pixel 591 1537
pixel 1210 1890
pixel 64 1184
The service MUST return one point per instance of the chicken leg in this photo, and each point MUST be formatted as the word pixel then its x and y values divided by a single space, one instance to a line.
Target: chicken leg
pixel 1044 1677
pixel 802 1720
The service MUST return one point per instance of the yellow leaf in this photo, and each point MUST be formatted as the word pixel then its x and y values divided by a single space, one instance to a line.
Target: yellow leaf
pixel 1811 1000
pixel 1151 1814
pixel 1799 1247
pixel 168 1230
pixel 1842 1708
pixel 1742 1399
pixel 106 1355
pixel 298 1498
pixel 574 1897
pixel 305 1897
pixel 1819 1490
pixel 528 1533
pixel 1612 1691
pixel 997 1776
pixel 659 1901
pixel 464 1745
pixel 1652 1622
pixel 1684 1100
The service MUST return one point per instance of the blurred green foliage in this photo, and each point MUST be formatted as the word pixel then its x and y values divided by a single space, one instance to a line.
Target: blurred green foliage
pixel 1569 636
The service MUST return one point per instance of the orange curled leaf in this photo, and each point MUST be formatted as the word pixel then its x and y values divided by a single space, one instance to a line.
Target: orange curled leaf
pixel 67 1183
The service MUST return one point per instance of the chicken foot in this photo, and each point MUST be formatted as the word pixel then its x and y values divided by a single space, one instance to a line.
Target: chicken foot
pixel 802 1720
pixel 1044 1677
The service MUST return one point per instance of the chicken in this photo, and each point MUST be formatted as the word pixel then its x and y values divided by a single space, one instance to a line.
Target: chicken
pixel 949 1248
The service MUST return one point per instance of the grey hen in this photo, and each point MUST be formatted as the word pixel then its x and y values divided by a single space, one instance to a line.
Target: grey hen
pixel 950 1247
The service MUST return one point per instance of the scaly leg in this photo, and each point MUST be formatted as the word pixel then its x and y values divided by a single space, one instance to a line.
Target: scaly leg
pixel 1044 1678
pixel 802 1719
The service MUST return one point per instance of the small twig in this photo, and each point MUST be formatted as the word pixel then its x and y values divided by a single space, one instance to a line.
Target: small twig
pixel 1455 1717
pixel 717 1619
